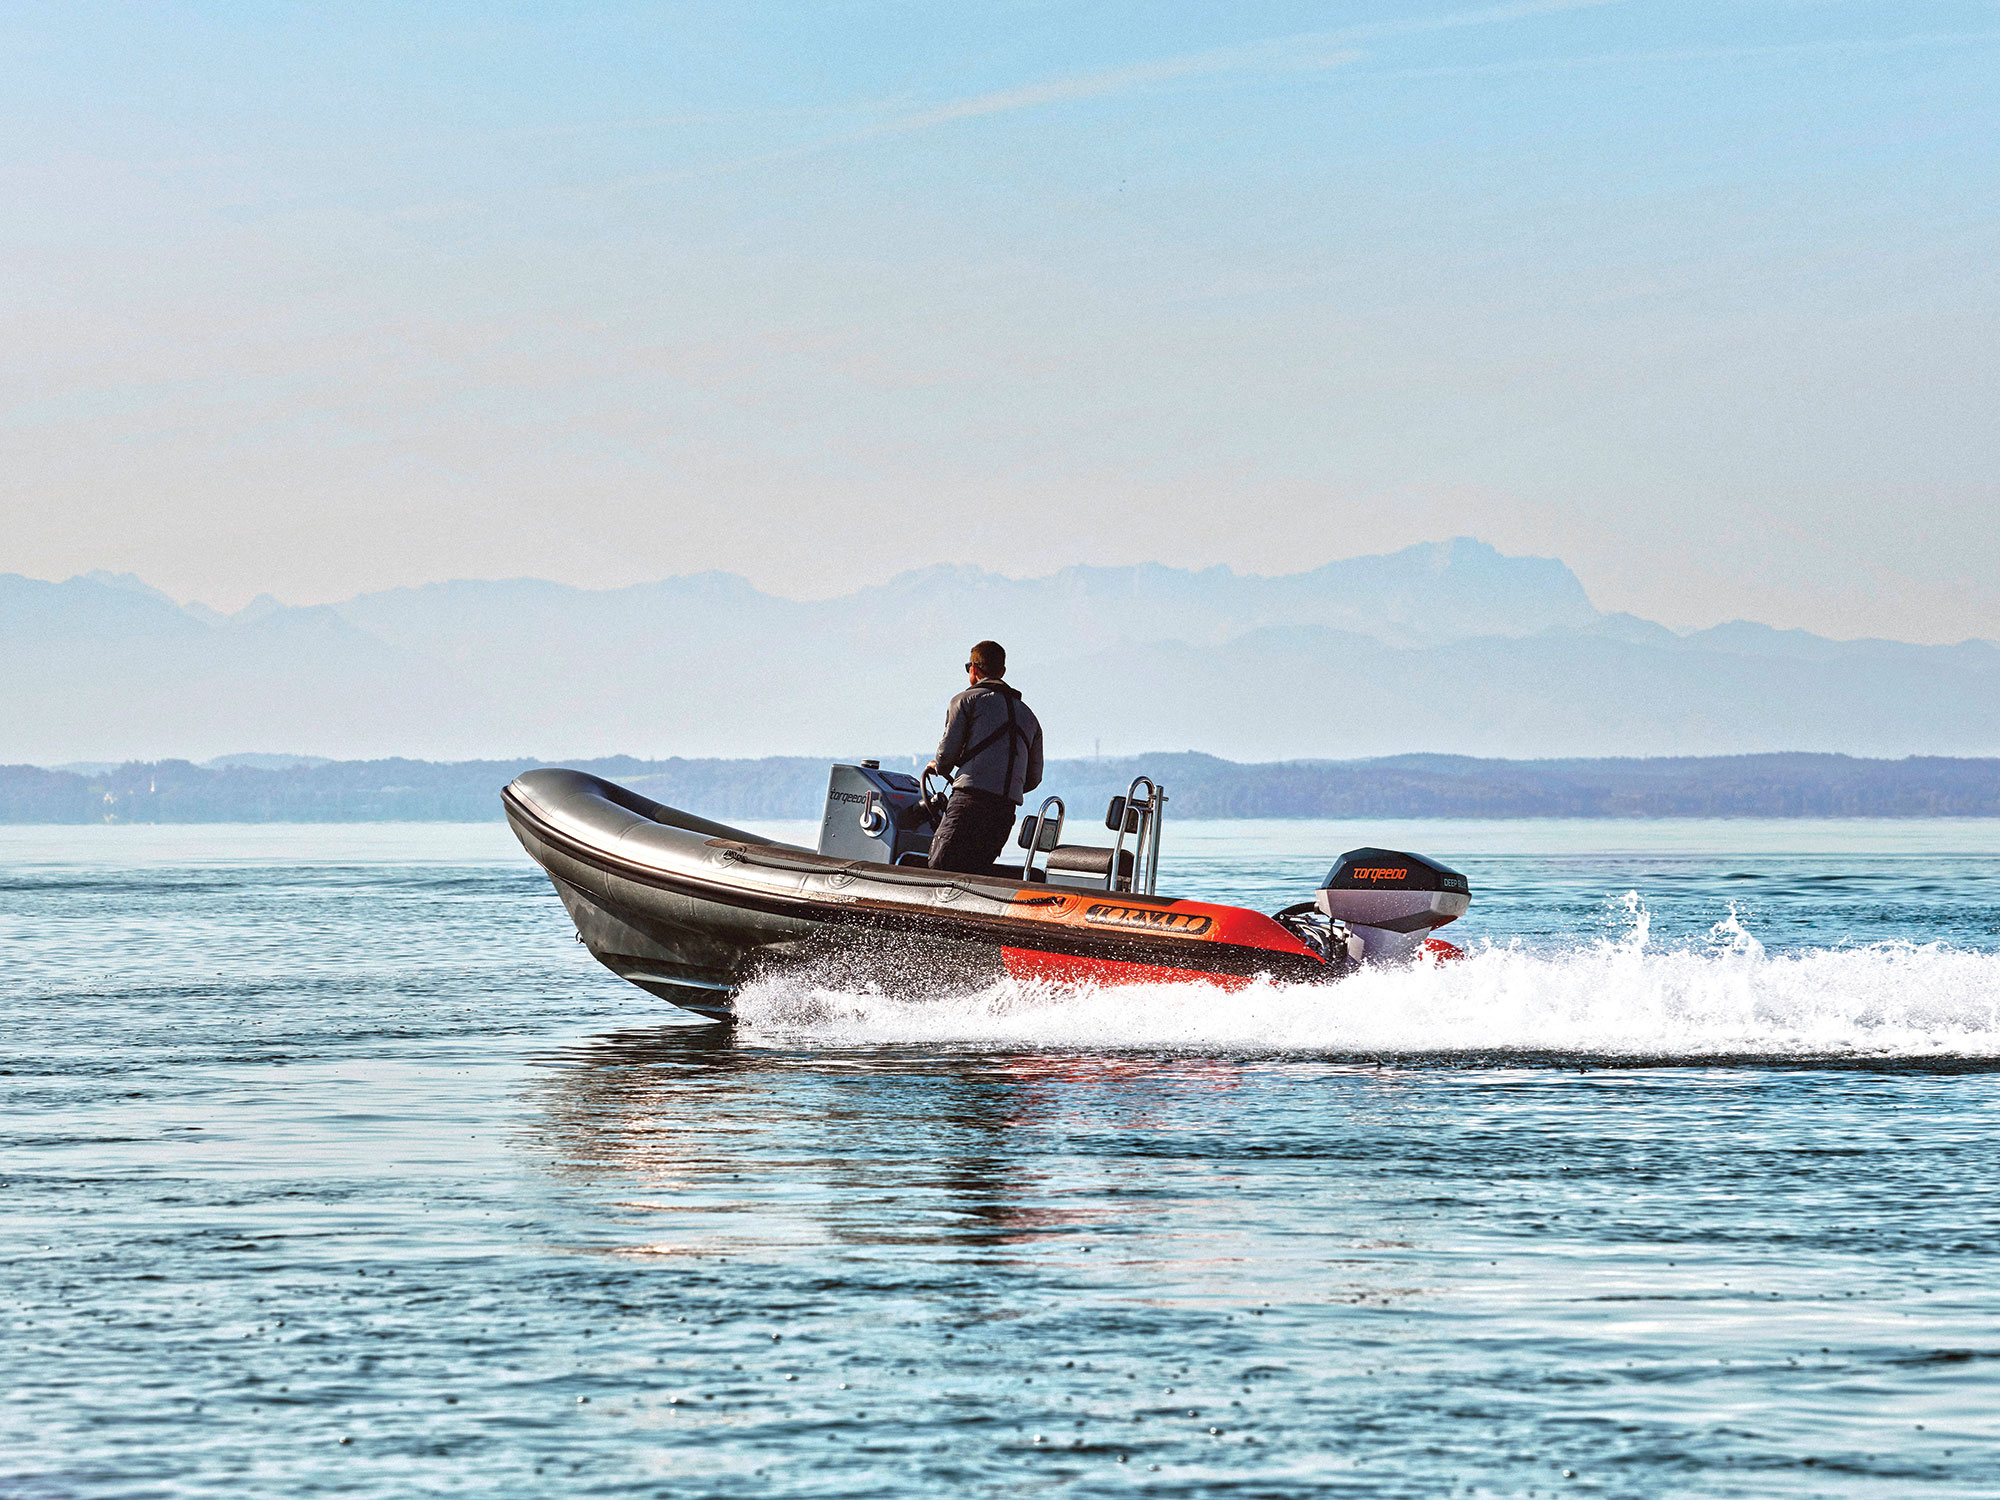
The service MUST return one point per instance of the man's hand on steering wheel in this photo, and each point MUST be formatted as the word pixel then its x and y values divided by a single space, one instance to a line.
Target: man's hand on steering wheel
pixel 932 802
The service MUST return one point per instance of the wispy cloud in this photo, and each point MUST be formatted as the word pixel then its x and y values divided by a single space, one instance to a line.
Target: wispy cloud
pixel 1302 52
pixel 1817 47
pixel 1490 15
pixel 1287 54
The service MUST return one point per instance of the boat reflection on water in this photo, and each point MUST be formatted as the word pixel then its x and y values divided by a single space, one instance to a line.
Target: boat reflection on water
pixel 703 1144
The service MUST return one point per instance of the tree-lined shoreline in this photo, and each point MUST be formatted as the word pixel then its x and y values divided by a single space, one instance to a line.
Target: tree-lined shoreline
pixel 1201 786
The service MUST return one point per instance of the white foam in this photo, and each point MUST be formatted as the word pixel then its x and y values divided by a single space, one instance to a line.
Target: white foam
pixel 1617 997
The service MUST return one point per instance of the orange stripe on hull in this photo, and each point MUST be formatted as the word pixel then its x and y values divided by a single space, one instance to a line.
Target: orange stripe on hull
pixel 1064 968
pixel 1155 917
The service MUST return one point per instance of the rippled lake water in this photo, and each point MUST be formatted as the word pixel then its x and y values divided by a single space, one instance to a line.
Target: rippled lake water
pixel 332 1165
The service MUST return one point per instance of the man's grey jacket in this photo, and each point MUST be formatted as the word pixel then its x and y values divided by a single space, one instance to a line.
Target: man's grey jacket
pixel 992 742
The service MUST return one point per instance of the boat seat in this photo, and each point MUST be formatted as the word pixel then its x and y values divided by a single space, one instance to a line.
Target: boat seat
pixel 1086 864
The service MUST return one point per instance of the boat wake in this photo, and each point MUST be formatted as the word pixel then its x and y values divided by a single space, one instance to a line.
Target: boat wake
pixel 1613 999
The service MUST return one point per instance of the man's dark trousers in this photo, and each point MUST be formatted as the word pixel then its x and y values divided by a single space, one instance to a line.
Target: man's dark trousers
pixel 972 832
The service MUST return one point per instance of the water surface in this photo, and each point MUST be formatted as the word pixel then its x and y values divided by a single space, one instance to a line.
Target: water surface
pixel 332 1165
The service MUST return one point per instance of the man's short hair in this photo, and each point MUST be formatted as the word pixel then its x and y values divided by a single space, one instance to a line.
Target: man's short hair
pixel 991 658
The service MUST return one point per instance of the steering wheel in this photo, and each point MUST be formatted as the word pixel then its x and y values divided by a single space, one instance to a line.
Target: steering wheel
pixel 931 803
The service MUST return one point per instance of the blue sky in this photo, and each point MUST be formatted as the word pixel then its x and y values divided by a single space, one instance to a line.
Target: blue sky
pixel 1699 297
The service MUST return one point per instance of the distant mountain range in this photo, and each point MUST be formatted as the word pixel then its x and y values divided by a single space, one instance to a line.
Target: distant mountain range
pixel 1444 647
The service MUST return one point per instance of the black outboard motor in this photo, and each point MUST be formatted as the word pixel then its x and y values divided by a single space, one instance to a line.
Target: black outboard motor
pixel 1392 901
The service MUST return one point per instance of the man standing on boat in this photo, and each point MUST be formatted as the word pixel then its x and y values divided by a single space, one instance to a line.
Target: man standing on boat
pixel 992 751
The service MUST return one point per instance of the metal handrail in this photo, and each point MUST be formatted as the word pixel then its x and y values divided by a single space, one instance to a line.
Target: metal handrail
pixel 1035 838
pixel 1156 815
pixel 1146 838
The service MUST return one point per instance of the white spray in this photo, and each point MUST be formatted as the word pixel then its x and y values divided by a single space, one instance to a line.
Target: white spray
pixel 1616 997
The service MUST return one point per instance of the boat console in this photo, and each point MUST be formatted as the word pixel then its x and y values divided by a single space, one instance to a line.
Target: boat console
pixel 874 815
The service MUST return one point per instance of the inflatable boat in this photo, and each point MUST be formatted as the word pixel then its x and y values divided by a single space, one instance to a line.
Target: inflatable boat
pixel 690 910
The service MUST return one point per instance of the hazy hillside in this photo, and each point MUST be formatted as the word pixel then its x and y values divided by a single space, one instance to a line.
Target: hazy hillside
pixel 1444 648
